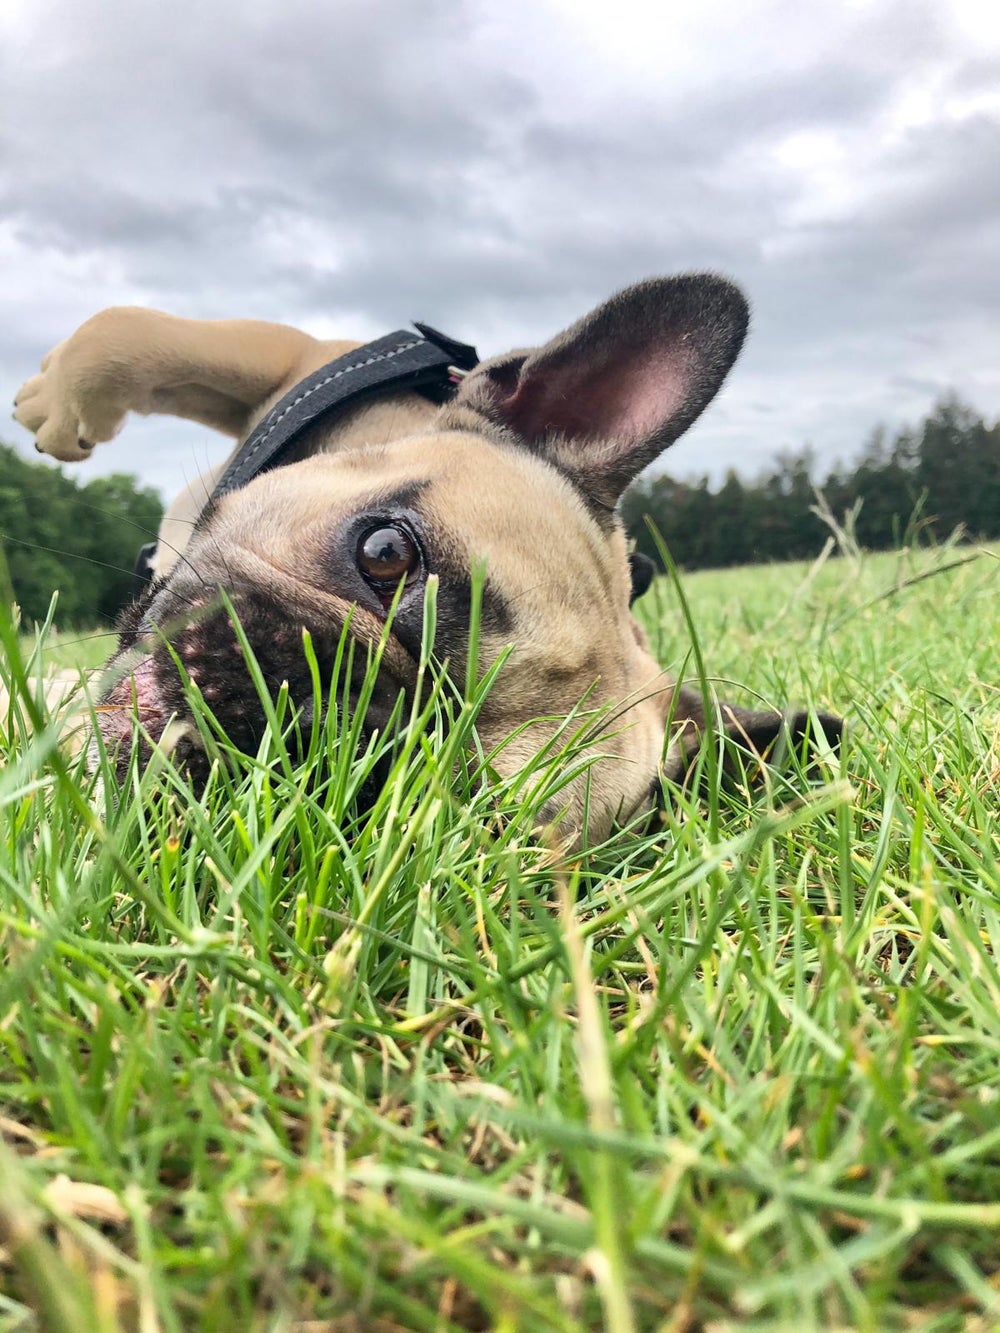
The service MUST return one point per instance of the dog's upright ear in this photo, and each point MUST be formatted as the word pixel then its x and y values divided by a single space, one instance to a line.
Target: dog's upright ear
pixel 604 398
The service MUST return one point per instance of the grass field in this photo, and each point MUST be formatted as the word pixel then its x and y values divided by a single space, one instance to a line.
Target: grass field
pixel 260 1069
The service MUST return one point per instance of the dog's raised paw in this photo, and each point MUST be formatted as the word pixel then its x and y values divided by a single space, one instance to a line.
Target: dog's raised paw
pixel 67 406
pixel 54 424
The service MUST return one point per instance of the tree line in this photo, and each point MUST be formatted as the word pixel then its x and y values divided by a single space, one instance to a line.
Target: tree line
pixel 942 475
pixel 81 539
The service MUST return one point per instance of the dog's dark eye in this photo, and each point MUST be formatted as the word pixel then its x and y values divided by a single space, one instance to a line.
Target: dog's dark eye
pixel 386 554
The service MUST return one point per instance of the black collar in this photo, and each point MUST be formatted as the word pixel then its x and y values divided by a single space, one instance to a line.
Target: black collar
pixel 425 362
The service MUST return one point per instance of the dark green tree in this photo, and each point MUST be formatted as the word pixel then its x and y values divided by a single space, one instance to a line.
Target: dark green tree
pixel 81 540
pixel 943 475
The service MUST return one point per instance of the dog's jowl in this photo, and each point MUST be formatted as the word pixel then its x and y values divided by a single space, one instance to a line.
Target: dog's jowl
pixel 519 472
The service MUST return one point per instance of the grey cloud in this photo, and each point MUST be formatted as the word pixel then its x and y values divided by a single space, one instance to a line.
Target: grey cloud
pixel 350 164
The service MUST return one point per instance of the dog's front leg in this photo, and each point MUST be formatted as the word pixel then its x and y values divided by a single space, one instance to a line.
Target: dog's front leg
pixel 127 359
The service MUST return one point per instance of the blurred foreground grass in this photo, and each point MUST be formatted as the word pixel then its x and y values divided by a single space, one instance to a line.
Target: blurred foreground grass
pixel 265 1062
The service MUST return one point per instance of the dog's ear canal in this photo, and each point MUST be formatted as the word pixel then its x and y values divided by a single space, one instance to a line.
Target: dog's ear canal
pixel 608 395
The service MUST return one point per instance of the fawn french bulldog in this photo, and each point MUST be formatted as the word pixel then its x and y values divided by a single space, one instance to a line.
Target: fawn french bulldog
pixel 519 472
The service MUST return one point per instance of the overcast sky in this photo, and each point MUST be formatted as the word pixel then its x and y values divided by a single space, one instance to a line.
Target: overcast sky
pixel 498 169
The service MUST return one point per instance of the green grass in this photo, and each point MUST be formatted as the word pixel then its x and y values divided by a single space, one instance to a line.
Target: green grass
pixel 742 1071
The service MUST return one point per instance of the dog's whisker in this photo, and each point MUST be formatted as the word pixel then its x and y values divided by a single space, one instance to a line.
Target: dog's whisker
pixel 75 555
pixel 139 527
pixel 124 518
pixel 115 514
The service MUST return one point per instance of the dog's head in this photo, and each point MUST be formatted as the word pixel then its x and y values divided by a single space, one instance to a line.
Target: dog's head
pixel 520 474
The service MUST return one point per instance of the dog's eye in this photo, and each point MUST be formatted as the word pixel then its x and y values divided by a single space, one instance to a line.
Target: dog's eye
pixel 386 554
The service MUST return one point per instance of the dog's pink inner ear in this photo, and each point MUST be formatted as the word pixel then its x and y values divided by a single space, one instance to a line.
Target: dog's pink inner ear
pixel 605 397
pixel 630 395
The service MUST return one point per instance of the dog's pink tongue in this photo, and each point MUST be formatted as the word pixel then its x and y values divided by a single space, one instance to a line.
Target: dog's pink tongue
pixel 135 696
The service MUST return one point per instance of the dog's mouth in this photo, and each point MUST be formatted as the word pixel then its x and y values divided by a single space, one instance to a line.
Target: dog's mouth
pixel 134 699
pixel 139 714
pixel 147 705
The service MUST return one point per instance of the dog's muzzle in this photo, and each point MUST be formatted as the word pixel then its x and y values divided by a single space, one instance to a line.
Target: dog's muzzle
pixel 148 696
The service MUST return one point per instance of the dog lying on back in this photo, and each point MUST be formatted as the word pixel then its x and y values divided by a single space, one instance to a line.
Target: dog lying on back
pixel 521 471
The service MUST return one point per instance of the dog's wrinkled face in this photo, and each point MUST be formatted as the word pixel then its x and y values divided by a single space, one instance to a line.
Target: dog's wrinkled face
pixel 520 474
pixel 329 540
